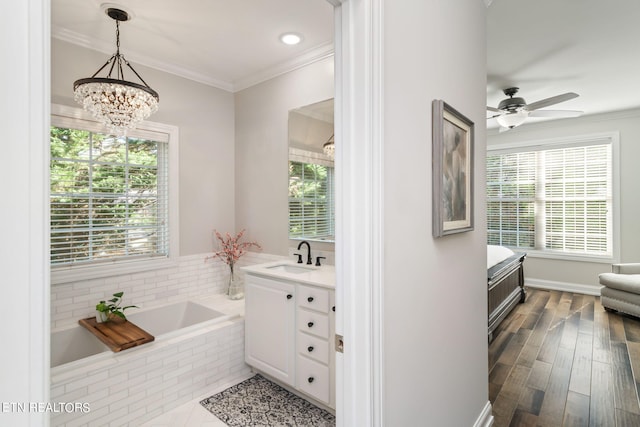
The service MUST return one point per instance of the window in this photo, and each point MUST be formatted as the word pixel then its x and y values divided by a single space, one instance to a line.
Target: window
pixel 109 199
pixel 311 201
pixel 555 197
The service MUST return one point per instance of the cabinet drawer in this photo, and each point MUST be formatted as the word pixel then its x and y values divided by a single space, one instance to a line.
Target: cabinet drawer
pixel 313 323
pixel 313 298
pixel 313 347
pixel 313 378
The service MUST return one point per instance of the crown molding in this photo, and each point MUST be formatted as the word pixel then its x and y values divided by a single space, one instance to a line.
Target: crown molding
pixel 141 59
pixel 306 58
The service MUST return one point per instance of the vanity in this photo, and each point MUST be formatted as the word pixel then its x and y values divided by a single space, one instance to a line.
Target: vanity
pixel 290 326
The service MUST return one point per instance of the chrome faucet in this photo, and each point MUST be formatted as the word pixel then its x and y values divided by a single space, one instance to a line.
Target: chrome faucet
pixel 304 242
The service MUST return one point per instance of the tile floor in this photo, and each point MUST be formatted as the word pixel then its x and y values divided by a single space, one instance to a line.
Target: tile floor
pixel 188 415
pixel 192 413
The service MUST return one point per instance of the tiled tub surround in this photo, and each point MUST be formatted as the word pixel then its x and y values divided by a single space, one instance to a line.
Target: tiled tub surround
pixel 141 383
pixel 189 279
pixel 138 384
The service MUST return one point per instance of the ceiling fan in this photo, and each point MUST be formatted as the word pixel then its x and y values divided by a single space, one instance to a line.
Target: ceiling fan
pixel 514 111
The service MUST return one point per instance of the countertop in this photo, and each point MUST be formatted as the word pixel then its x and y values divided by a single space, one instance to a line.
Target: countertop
pixel 323 276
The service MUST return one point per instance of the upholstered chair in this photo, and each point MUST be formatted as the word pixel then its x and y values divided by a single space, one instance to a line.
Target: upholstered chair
pixel 621 291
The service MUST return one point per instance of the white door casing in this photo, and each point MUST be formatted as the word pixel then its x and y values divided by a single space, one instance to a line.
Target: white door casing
pixel 359 237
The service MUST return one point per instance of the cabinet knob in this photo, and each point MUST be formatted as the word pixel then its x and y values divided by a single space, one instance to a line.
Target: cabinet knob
pixel 310 324
pixel 310 299
pixel 289 296
pixel 310 379
pixel 310 348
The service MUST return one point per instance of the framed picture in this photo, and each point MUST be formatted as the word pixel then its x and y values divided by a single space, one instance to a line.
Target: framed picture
pixel 452 170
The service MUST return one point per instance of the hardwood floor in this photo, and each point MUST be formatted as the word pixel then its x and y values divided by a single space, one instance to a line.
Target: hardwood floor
pixel 560 359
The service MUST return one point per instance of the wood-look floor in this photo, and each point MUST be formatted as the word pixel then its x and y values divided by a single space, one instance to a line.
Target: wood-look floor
pixel 560 359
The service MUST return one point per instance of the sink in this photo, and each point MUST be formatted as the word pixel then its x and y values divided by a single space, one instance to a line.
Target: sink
pixel 288 268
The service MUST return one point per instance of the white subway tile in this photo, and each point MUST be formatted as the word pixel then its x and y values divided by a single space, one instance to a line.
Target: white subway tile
pixel 114 397
pixel 145 385
pixel 139 384
pixel 175 373
pixel 138 416
pixel 111 418
pixel 146 369
pixel 95 400
pixel 85 381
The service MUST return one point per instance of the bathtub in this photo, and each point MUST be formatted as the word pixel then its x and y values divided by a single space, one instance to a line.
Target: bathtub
pixel 77 343
pixel 197 348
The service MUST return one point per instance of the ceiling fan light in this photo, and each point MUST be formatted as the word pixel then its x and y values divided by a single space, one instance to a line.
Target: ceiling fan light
pixel 512 120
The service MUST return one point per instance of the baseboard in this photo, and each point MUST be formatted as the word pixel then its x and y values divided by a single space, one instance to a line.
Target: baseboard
pixel 562 286
pixel 486 417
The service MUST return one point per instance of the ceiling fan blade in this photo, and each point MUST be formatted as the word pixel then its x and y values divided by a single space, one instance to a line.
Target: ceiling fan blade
pixel 551 101
pixel 503 129
pixel 495 110
pixel 555 113
pixel 494 116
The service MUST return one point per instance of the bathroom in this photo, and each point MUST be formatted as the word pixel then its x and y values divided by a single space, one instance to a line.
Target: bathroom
pixel 225 136
pixel 210 120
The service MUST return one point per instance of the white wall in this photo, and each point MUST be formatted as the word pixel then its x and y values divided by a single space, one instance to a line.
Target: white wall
pixel 205 117
pixel 628 124
pixel 24 108
pixel 431 377
pixel 435 291
pixel 261 116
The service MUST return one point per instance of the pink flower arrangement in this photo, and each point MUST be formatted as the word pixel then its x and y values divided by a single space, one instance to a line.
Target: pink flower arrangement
pixel 231 249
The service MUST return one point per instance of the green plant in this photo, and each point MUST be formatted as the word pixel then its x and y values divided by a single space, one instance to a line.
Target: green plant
pixel 112 307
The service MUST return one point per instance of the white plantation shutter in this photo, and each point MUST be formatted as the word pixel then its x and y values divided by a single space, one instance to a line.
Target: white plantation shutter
pixel 109 195
pixel 552 198
pixel 511 182
pixel 311 201
pixel 577 199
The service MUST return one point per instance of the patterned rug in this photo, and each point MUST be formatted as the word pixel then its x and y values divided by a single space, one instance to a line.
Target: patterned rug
pixel 258 402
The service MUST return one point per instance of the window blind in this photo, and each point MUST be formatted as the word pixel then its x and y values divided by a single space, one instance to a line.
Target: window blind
pixel 556 199
pixel 311 201
pixel 108 197
pixel 511 182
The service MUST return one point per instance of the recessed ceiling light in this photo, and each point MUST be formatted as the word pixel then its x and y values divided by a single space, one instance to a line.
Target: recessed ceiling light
pixel 291 38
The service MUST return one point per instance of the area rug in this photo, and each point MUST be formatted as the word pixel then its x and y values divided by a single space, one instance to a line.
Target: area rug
pixel 258 402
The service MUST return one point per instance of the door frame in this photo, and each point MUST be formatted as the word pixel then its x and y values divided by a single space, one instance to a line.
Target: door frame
pixel 359 211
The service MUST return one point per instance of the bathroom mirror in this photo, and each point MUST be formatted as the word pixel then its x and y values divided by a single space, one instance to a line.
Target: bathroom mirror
pixel 311 173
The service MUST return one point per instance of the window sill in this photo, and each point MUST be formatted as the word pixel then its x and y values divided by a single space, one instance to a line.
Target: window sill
pixel 66 274
pixel 314 239
pixel 562 256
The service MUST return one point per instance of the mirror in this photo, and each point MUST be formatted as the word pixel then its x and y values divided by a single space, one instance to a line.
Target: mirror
pixel 311 173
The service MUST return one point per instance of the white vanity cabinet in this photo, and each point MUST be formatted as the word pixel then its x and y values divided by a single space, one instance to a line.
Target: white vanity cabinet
pixel 291 339
pixel 314 332
pixel 270 309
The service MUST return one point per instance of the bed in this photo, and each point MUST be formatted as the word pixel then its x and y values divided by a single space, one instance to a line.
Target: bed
pixel 505 283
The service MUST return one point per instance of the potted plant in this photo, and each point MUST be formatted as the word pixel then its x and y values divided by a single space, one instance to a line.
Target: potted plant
pixel 111 309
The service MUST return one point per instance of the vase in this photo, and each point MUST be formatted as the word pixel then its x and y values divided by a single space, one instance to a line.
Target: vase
pixel 101 316
pixel 235 287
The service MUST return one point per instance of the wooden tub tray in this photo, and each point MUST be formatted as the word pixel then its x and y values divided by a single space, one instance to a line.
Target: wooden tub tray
pixel 118 335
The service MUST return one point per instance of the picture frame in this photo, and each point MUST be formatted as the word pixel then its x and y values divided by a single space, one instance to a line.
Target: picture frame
pixel 452 166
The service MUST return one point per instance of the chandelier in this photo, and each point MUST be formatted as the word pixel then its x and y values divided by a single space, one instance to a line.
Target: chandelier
pixel 329 147
pixel 112 100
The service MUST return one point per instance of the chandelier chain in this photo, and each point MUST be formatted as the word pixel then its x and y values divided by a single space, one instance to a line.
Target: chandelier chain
pixel 117 37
